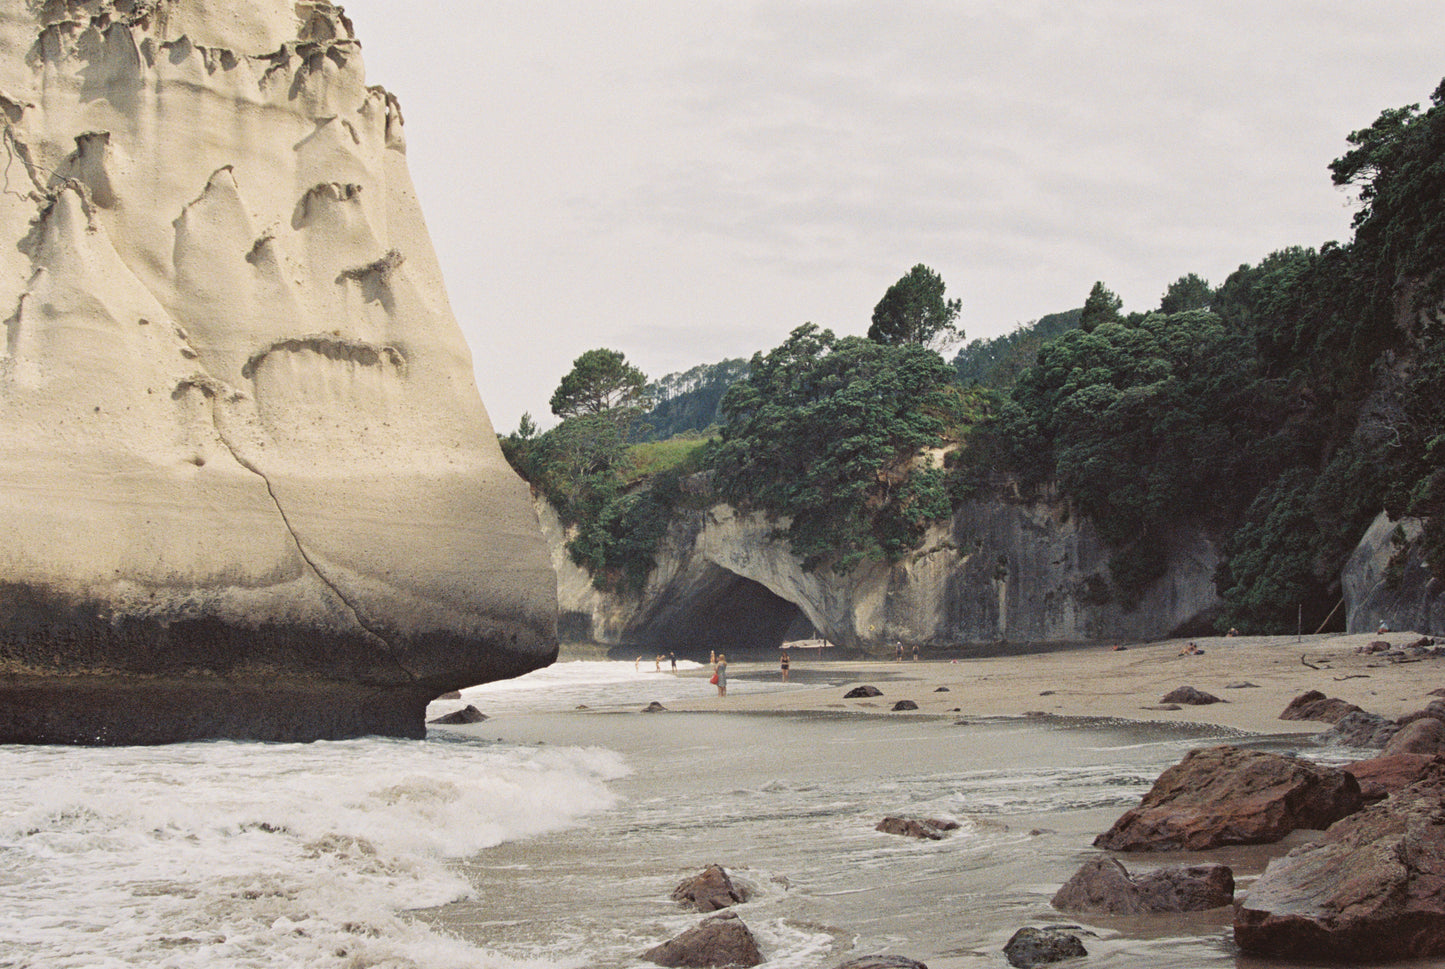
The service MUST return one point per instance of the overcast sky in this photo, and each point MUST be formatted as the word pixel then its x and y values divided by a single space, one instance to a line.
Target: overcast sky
pixel 685 182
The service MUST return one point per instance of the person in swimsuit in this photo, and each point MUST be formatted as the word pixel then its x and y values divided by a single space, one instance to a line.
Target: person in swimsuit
pixel 783 664
pixel 721 669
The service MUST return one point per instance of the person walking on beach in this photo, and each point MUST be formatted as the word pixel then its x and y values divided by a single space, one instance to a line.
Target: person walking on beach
pixel 720 674
pixel 783 665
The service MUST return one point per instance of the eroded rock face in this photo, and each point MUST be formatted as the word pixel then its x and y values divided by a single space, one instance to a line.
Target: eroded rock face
pixel 1001 570
pixel 1229 796
pixel 247 486
pixel 1371 890
pixel 1410 598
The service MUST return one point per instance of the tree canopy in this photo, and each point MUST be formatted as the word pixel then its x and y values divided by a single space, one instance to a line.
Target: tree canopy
pixel 824 432
pixel 599 381
pixel 915 311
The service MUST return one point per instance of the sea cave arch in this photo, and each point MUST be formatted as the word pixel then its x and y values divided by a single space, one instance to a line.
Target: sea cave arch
pixel 717 610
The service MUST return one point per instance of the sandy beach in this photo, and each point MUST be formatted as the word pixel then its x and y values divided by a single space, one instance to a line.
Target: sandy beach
pixel 1128 683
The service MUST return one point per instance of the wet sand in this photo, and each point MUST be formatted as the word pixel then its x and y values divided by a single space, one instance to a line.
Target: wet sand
pixel 1104 682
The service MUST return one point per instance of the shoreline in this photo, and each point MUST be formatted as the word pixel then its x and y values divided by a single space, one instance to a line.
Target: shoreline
pixel 1104 683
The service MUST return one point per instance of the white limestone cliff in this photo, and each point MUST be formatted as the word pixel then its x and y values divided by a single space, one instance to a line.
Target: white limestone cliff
pixel 1000 571
pixel 243 460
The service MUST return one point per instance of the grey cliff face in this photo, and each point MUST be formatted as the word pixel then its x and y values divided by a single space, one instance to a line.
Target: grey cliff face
pixel 1382 583
pixel 247 486
pixel 1001 571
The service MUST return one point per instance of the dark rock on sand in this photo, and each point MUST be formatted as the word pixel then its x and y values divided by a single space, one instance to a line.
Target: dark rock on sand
pixel 882 962
pixel 1191 696
pixel 1037 947
pixel 709 890
pixel 1372 889
pixel 467 714
pixel 1314 705
pixel 654 707
pixel 943 689
pixel 1104 885
pixel 1225 795
pixel 862 692
pixel 1382 776
pixel 904 705
pixel 1360 729
pixel 722 940
pixel 931 829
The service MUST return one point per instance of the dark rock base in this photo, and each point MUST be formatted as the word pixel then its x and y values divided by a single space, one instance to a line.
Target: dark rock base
pixel 97 711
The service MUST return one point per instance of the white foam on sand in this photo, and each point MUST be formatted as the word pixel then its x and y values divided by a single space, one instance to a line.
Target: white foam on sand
pixel 233 854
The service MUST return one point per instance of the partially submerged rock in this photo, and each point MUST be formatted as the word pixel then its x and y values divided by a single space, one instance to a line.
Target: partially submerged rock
pixel 709 890
pixel 1031 946
pixel 882 962
pixel 467 714
pixel 862 692
pixel 928 829
pixel 1372 889
pixel 723 940
pixel 1103 885
pixel 1226 795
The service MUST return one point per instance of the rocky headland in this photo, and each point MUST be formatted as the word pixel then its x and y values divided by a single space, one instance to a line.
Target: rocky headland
pixel 248 487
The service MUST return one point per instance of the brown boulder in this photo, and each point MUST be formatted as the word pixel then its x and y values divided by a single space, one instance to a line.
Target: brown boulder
pixel 1314 705
pixel 722 940
pixel 1424 735
pixel 1434 710
pixel 1380 777
pixel 709 890
pixel 1225 795
pixel 930 829
pixel 1373 889
pixel 1104 885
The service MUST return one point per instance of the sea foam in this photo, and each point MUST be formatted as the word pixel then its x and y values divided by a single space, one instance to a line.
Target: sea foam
pixel 266 855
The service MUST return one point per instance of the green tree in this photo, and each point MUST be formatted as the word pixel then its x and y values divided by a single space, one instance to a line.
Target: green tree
pixel 599 381
pixel 824 432
pixel 1186 293
pixel 1102 306
pixel 915 311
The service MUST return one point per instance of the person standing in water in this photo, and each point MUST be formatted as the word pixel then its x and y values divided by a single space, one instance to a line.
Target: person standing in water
pixel 783 665
pixel 720 670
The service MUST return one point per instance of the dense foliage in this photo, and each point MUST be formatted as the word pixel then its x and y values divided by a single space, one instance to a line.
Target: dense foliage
pixel 824 431
pixel 996 363
pixel 1279 411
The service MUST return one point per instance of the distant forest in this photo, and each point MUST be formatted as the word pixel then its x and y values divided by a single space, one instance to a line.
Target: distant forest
pixel 1280 411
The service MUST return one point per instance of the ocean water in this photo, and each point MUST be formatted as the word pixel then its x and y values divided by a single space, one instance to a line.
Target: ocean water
pixel 546 836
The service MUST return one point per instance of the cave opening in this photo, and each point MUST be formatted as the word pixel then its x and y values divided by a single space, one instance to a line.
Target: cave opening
pixel 718 611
